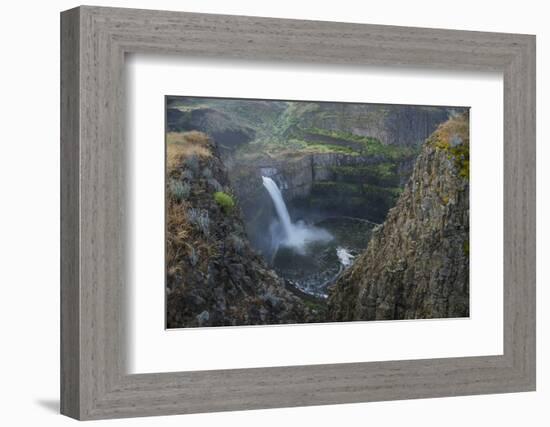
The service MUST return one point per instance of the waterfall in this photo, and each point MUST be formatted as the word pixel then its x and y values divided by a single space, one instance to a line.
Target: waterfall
pixel 295 236
pixel 280 205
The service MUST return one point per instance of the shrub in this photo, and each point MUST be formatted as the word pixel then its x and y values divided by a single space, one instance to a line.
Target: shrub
pixel 224 200
pixel 179 190
pixel 200 219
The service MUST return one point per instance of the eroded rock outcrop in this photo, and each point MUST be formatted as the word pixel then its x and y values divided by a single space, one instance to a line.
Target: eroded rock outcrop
pixel 213 276
pixel 417 262
pixel 403 125
pixel 218 125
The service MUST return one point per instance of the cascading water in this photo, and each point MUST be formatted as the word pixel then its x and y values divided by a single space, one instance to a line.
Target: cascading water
pixel 280 205
pixel 295 236
pixel 308 255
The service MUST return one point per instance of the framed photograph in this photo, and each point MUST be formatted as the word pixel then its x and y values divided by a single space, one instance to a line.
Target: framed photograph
pixel 308 187
pixel 262 213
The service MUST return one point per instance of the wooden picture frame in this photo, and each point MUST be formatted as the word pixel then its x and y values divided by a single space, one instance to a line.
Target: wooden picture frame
pixel 94 382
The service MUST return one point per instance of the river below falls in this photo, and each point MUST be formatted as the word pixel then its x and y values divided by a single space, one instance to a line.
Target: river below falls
pixel 314 266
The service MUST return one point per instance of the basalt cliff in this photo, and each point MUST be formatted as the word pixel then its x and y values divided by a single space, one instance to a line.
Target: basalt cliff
pixel 416 264
pixel 213 277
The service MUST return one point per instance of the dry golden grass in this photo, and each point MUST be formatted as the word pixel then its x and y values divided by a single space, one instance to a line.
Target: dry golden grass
pixel 185 144
pixel 178 229
pixel 192 137
pixel 457 126
pixel 182 240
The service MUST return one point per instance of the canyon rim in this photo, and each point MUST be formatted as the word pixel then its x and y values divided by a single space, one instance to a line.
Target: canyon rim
pixel 282 212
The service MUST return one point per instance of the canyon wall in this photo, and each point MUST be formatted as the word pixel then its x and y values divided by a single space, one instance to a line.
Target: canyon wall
pixel 417 262
pixel 213 277
pixel 328 159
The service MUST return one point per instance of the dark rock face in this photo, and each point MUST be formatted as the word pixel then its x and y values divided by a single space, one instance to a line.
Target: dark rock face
pixel 392 124
pixel 214 278
pixel 216 124
pixel 417 263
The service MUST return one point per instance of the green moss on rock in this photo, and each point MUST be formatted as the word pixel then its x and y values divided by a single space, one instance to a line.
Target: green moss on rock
pixel 454 138
pixel 384 173
pixel 335 188
pixel 224 200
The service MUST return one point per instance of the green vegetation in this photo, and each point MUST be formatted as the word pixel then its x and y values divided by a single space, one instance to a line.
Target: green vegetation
pixel 339 135
pixel 384 173
pixel 453 138
pixel 462 160
pixel 225 201
pixel 292 146
pixel 394 152
pixel 280 127
pixel 365 145
pixel 385 170
pixel 289 120
pixel 336 188
pixel 319 147
pixel 383 192
pixel 460 153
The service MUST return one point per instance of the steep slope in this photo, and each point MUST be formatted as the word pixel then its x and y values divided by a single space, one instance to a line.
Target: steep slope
pixel 213 276
pixel 417 263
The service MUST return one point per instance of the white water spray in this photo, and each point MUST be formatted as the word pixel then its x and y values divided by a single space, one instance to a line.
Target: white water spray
pixel 280 205
pixel 344 256
pixel 295 236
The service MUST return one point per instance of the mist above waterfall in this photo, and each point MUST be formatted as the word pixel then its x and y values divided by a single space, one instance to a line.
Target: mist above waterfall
pixel 297 235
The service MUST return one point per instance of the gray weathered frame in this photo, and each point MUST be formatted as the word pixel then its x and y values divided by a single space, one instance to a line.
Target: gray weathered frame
pixel 94 41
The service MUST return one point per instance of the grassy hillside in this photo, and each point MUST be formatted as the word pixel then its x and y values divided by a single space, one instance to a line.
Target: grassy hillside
pixel 276 127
